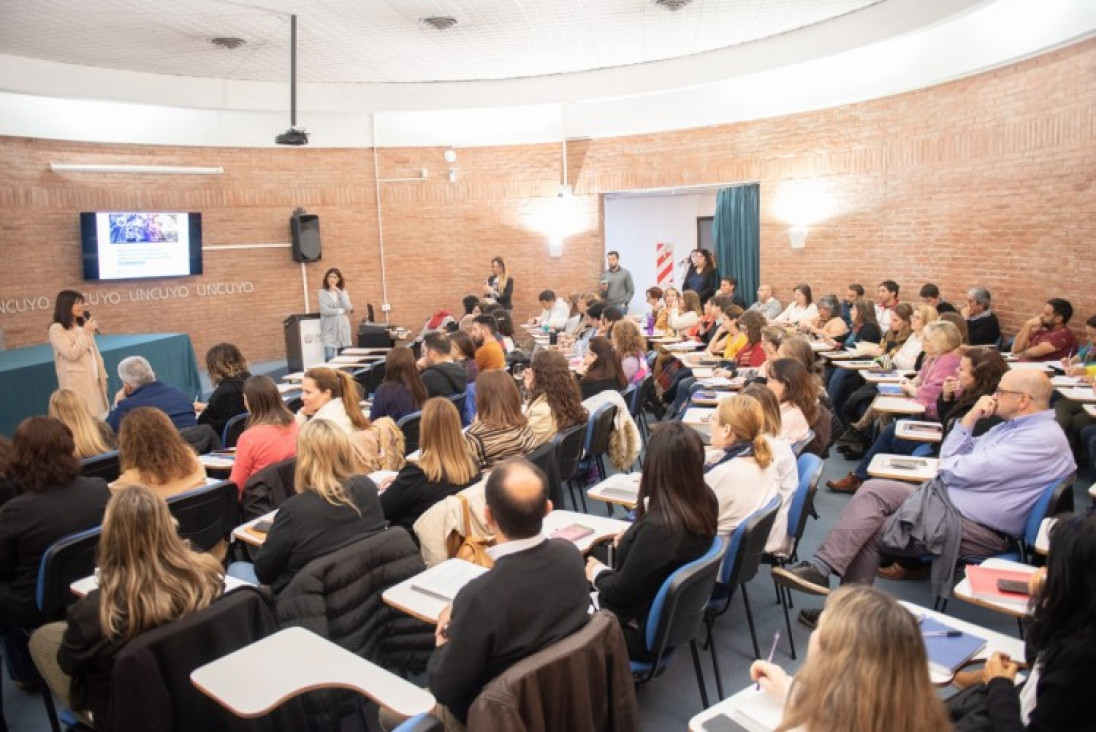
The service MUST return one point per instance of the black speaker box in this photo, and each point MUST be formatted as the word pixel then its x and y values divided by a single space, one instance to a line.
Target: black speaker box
pixel 373 335
pixel 305 231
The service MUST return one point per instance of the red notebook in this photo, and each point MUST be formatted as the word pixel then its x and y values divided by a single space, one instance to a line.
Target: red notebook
pixel 983 585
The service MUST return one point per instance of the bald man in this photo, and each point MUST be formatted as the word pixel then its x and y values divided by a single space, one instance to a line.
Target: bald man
pixel 535 595
pixel 993 481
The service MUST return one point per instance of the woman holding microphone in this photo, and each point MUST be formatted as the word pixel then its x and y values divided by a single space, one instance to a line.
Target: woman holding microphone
pixel 335 308
pixel 79 365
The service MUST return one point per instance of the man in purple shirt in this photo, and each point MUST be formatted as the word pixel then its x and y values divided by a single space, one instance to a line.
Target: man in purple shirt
pixel 994 481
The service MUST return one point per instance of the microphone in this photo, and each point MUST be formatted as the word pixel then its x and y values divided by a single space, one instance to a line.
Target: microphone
pixel 87 317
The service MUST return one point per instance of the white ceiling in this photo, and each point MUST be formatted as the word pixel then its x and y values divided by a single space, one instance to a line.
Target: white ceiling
pixel 382 41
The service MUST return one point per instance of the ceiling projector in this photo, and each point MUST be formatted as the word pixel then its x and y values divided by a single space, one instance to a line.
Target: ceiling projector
pixel 293 136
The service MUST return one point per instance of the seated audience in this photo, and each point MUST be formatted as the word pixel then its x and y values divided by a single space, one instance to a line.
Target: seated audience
pixel 632 348
pixel 270 433
pixel 55 502
pixel 441 375
pixel 553 401
pixel 801 309
pixel 930 295
pixel 742 476
pixel 576 305
pixel 505 330
pixel 489 353
pixel 463 351
pixel 829 323
pixel 554 312
pixel 784 463
pixel 908 356
pixel 148 577
pixel 91 435
pixel 602 369
pixel 798 392
pixel 982 323
pixel 684 310
pixel 992 481
pixel 676 516
pixel 960 324
pixel 141 389
pixel 841 383
pixel 1047 337
pixel 980 371
pixel 153 453
pixel 728 340
pixel 1060 641
pixel 886 298
pixel 227 370
pixel 333 395
pixel 610 316
pixel 534 596
pixel 445 467
pixel 657 318
pixel 500 430
pixel 754 351
pixel 332 508
pixel 853 292
pixel 866 670
pixel 769 307
pixel 727 287
pixel 1071 414
pixel 402 391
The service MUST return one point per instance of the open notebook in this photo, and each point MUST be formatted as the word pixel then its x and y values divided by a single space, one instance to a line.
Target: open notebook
pixel 443 581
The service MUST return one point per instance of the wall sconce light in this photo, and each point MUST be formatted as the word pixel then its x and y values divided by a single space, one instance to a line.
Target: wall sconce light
pixel 797 235
pixel 452 175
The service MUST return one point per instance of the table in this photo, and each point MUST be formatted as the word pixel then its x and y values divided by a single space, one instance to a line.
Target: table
pixel 697 416
pixel 1030 366
pixel 885 377
pixel 821 347
pixel 838 355
pixel 964 593
pixel 603 526
pixel 82 587
pixel 1078 394
pixel 363 351
pixel 170 354
pixel 857 364
pixel 995 642
pixel 722 383
pixel 219 463
pixel 305 662
pixel 897 405
pixel 683 346
pixel 1068 381
pixel 918 431
pixel 410 597
pixel 621 489
pixel 698 360
pixel 361 359
pixel 241 532
pixel 893 467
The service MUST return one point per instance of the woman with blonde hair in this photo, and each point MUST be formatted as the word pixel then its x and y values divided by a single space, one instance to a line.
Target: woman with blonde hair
pixel 148 577
pixel 333 507
pixel 500 430
pixel 743 477
pixel 151 452
pixel 553 400
pixel 92 436
pixel 271 432
pixel 784 462
pixel 866 670
pixel 228 370
pixel 499 287
pixel 445 467
pixel 332 395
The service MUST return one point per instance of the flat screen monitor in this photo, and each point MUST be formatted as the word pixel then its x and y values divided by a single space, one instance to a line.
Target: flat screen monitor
pixel 133 245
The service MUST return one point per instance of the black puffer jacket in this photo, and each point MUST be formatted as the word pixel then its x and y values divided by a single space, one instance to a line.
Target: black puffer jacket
pixel 267 489
pixel 339 598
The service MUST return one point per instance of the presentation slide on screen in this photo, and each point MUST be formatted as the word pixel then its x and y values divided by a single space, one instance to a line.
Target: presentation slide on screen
pixel 143 245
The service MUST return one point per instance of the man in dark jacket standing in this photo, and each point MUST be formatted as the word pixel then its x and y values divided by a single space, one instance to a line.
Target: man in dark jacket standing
pixel 535 595
pixel 441 375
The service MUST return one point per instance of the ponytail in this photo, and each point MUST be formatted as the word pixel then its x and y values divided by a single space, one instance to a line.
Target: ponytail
pixel 763 451
pixel 351 398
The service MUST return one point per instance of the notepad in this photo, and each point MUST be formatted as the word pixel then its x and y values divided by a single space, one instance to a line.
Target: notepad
pixel 759 711
pixel 572 532
pixel 947 655
pixel 983 586
pixel 890 389
pixel 443 581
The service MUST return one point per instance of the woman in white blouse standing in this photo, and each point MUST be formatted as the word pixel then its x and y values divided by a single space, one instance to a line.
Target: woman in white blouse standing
pixel 802 308
pixel 75 355
pixel 335 309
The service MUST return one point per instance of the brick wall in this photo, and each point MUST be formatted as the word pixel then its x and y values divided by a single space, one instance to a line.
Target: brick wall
pixel 986 180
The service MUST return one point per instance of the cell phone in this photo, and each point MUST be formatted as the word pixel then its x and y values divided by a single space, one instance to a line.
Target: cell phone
pixel 721 723
pixel 263 527
pixel 1015 587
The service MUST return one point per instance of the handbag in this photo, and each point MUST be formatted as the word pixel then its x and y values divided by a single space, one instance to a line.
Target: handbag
pixel 468 547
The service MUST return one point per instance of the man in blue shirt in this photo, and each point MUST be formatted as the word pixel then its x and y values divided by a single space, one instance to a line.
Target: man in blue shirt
pixel 141 389
pixel 993 481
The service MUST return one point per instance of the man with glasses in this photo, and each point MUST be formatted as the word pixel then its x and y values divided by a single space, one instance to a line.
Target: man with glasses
pixel 993 481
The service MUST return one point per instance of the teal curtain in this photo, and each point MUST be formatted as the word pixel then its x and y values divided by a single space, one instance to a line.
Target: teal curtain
pixel 736 231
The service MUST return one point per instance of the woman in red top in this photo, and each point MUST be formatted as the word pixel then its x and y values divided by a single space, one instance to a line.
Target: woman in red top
pixel 271 433
pixel 752 354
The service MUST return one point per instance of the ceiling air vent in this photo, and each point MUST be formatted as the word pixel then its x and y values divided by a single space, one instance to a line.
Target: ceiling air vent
pixel 672 5
pixel 439 22
pixel 227 42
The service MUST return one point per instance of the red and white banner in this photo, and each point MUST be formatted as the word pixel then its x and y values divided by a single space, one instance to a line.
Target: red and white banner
pixel 664 264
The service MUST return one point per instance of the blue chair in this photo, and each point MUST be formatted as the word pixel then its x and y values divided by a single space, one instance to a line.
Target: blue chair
pixel 469 412
pixel 234 427
pixel 409 425
pixel 677 615
pixel 570 445
pixel 458 401
pixel 801 445
pixel 740 565
pixel 103 466
pixel 424 722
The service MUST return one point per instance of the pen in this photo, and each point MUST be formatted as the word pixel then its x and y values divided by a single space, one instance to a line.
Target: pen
pixel 942 634
pixel 776 639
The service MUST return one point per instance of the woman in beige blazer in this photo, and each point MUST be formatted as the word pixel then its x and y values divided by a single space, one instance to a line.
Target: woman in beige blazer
pixel 75 355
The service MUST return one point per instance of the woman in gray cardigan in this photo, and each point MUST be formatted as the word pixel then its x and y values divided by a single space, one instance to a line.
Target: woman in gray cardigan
pixel 335 309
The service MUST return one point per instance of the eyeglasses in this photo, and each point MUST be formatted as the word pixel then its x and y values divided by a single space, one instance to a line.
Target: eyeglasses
pixel 999 392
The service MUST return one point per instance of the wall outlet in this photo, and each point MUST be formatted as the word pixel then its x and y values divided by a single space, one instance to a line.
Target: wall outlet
pixel 386 308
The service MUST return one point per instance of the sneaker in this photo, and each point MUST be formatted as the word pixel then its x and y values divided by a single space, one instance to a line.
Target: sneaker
pixel 803 577
pixel 849 484
pixel 809 617
pixel 904 574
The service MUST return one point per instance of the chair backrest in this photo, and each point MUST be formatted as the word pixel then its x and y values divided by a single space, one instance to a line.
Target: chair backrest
pixel 748 544
pixel 628 394
pixel 66 561
pixel 1056 498
pixel 570 444
pixel 810 472
pixel 546 457
pixel 458 401
pixel 234 427
pixel 202 437
pixel 103 466
pixel 267 489
pixel 206 515
pixel 801 445
pixel 679 607
pixel 376 376
pixel 409 425
pixel 639 398
pixel 601 429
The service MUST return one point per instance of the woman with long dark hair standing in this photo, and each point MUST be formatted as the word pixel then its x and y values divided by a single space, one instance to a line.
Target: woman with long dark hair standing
pixel 702 277
pixel 335 309
pixel 77 359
